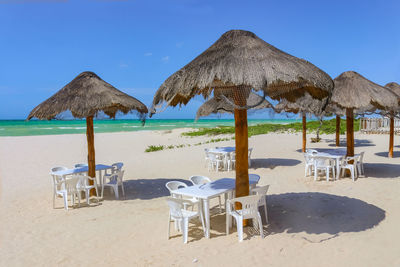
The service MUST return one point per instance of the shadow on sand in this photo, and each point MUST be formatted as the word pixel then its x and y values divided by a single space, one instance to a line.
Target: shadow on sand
pixel 319 213
pixel 396 154
pixel 382 170
pixel 357 142
pixel 271 163
pixel 315 217
pixel 143 189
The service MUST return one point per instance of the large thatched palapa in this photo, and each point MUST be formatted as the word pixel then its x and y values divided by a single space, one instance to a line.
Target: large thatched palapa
pixel 354 92
pixel 235 64
pixel 395 88
pixel 86 96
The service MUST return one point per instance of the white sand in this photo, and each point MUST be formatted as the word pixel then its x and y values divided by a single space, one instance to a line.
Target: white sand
pixel 340 223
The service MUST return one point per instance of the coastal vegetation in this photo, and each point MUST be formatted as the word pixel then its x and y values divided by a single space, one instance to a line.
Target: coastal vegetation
pixel 328 127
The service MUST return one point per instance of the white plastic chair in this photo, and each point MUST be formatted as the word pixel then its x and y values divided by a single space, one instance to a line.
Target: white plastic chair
pixel 56 180
pixel 199 180
pixel 311 151
pixel 262 191
pixel 179 215
pixel 69 187
pixel 216 160
pixel 249 155
pixel 85 186
pixel 117 166
pixel 309 164
pixel 352 167
pixel 231 160
pixel 113 181
pixel 249 211
pixel 325 164
pixel 174 185
pixel 360 163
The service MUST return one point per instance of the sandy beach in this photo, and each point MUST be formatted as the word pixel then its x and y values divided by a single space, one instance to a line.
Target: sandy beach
pixel 336 223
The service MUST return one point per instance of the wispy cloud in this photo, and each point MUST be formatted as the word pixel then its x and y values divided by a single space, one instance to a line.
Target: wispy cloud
pixel 148 54
pixel 123 65
pixel 179 45
pixel 165 59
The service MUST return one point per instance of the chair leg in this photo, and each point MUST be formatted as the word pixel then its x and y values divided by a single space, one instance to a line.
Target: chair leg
pixel 169 224
pixel 260 225
pixel 227 223
pixel 220 206
pixel 315 174
pixel 327 173
pixel 116 191
pixel 185 228
pixel 123 189
pixel 239 224
pixel 102 190
pixel 65 196
pixel 54 200
pixel 87 196
pixel 265 210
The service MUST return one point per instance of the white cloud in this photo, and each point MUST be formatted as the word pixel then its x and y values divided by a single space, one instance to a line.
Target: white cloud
pixel 179 45
pixel 148 54
pixel 123 65
pixel 165 59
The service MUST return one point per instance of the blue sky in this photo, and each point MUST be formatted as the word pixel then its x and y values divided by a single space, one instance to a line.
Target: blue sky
pixel 135 45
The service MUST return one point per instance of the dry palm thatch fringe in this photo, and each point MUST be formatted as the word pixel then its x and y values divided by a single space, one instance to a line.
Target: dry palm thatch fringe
pixel 303 105
pixel 395 88
pixel 240 58
pixel 86 96
pixel 354 91
pixel 222 105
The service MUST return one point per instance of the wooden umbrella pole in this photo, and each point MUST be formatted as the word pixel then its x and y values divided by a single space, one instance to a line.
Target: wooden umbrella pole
pixel 350 132
pixel 91 154
pixel 391 137
pixel 304 133
pixel 337 130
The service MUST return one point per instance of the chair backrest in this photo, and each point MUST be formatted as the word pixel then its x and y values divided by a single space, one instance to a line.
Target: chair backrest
pixel 70 184
pixel 175 207
pixel 117 166
pixel 232 155
pixel 249 205
pixel 308 158
pixel 173 185
pixel 80 165
pixel 360 157
pixel 214 156
pixel 260 190
pixel 311 151
pixel 120 176
pixel 254 176
pixel 250 150
pixel 321 161
pixel 198 179
pixel 347 160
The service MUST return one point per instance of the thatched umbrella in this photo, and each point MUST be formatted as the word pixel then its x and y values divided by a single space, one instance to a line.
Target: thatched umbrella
pixel 216 105
pixel 395 87
pixel 86 96
pixel 235 64
pixel 354 92
pixel 304 105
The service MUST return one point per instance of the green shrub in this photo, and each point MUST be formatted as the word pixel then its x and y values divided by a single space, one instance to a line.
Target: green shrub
pixel 154 148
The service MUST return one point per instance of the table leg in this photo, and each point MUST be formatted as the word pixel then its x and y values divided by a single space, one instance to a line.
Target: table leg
pixel 206 204
pixel 337 168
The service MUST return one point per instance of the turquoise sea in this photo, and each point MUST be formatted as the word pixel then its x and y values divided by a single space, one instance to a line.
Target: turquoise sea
pixel 36 127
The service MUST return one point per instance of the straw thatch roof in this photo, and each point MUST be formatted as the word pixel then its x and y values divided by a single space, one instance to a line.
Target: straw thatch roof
pixel 241 58
pixel 395 87
pixel 85 96
pixel 354 91
pixel 215 105
pixel 304 105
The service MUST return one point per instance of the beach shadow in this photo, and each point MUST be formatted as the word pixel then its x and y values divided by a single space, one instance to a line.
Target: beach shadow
pixel 320 214
pixel 144 189
pixel 272 163
pixel 357 142
pixel 396 154
pixel 382 170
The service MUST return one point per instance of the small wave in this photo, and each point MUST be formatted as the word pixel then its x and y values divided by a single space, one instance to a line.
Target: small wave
pixel 2 129
pixel 75 128
pixel 133 126
pixel 44 128
pixel 167 125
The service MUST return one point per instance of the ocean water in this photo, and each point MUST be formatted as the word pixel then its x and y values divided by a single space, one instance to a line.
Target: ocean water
pixel 36 127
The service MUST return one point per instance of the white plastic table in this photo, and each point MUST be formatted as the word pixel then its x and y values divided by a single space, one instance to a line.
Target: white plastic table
pixel 336 154
pixel 207 191
pixel 99 168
